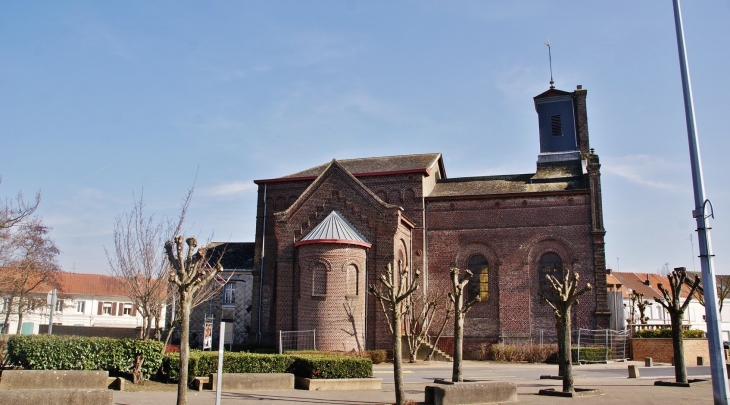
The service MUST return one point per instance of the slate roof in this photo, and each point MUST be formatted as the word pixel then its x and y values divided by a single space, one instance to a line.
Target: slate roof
pixel 376 165
pixel 236 255
pixel 334 229
pixel 504 184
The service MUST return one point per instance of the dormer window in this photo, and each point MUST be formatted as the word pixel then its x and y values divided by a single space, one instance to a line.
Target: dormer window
pixel 557 125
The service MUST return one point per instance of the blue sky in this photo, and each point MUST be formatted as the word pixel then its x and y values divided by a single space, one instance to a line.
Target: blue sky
pixel 99 100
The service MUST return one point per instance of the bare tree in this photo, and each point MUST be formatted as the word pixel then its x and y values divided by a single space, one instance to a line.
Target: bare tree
pixel 139 263
pixel 14 211
pixel 397 288
pixel 723 290
pixel 460 311
pixel 564 295
pixel 672 304
pixel 447 316
pixel 30 262
pixel 641 304
pixel 191 270
pixel 202 295
pixel 417 318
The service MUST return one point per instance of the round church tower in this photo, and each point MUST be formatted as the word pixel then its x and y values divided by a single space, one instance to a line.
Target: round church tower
pixel 331 262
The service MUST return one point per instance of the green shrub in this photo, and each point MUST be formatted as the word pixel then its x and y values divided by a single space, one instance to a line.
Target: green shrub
pixel 310 366
pixel 590 353
pixel 51 352
pixel 667 333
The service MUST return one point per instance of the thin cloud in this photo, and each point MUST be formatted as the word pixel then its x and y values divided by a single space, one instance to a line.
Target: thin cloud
pixel 646 170
pixel 229 189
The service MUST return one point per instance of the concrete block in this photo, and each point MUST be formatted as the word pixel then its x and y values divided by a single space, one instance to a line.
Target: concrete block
pixel 200 382
pixel 60 397
pixel 648 362
pixel 253 381
pixel 472 393
pixel 633 371
pixel 702 361
pixel 338 384
pixel 54 379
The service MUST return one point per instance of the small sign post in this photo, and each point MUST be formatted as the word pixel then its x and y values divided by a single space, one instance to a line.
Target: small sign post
pixel 219 383
pixel 51 300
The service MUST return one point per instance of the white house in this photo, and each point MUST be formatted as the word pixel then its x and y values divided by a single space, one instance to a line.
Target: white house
pixel 84 300
pixel 625 313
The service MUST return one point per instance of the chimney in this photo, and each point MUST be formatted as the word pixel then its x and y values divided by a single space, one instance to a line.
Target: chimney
pixel 647 282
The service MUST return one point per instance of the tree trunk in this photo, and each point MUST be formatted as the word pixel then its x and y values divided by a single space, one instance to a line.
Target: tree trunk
pixel 458 345
pixel 20 322
pixel 561 347
pixel 680 371
pixel 148 331
pixel 6 325
pixel 400 394
pixel 567 353
pixel 182 385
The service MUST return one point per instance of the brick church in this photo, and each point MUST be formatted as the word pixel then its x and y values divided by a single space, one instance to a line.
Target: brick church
pixel 326 233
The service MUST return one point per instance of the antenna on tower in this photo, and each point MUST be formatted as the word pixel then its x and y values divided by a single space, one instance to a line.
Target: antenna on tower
pixel 550 58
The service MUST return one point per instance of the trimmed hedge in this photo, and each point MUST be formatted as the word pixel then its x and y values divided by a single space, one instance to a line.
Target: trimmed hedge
pixel 667 334
pixel 376 356
pixel 52 352
pixel 590 353
pixel 309 366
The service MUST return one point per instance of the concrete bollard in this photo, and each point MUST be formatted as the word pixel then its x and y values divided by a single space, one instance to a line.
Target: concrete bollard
pixel 648 362
pixel 633 371
pixel 701 360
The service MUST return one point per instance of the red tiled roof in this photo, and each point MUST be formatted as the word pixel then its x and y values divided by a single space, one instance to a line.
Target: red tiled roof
pixel 637 282
pixel 89 284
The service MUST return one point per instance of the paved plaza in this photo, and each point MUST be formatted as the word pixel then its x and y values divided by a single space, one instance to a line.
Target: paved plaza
pixel 610 378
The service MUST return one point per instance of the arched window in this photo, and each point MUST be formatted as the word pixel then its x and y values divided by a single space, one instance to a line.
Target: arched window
pixel 319 279
pixel 352 280
pixel 479 283
pixel 550 265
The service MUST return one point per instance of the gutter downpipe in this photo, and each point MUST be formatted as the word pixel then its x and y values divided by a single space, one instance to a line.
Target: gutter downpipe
pixel 261 270
pixel 717 361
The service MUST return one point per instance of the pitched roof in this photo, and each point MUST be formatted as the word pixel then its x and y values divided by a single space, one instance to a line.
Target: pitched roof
pixel 373 166
pixel 236 255
pixel 552 93
pixel 504 184
pixel 87 284
pixel 644 283
pixel 334 229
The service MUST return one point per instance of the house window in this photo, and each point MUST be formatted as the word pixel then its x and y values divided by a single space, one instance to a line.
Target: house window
pixel 229 294
pixel 127 310
pixel 80 307
pixel 319 279
pixel 59 305
pixel 352 280
pixel 479 283
pixel 107 308
pixel 550 265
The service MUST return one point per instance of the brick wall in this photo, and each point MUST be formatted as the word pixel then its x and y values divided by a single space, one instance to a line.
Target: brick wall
pixel 661 350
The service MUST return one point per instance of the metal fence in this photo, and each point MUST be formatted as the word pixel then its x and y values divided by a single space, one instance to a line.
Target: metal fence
pixel 588 346
pixel 297 340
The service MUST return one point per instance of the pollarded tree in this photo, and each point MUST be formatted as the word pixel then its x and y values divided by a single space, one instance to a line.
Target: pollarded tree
pixel 192 268
pixel 561 299
pixel 672 304
pixel 642 304
pixel 460 311
pixel 397 289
